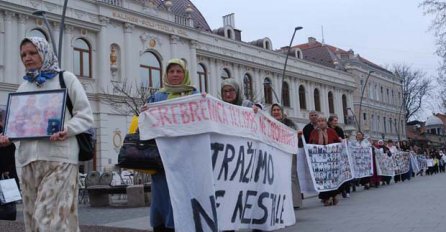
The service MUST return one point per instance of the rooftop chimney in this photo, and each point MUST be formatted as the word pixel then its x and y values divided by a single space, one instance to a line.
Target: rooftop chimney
pixel 312 40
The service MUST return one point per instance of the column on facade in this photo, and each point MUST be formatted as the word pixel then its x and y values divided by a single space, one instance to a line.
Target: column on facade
pixel 11 47
pixel 173 45
pixel 337 103
pixel 56 33
pixel 67 52
pixel 276 86
pixel 21 33
pixel 193 63
pixel 128 29
pixel 213 78
pixel 294 97
pixel 103 71
pixel 323 95
pixel 235 72
pixel 309 92
pixel 258 81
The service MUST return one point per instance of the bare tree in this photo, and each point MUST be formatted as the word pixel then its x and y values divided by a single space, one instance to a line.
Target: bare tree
pixel 437 9
pixel 126 97
pixel 415 88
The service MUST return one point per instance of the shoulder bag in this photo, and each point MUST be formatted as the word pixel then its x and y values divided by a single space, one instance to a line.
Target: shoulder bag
pixel 86 140
pixel 139 154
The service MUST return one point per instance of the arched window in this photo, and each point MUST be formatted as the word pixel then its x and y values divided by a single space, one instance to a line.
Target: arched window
pixel 268 91
pixel 331 103
pixel 344 106
pixel 317 100
pixel 225 74
pixel 286 94
pixel 36 32
pixel 202 78
pixel 247 87
pixel 267 45
pixel 82 58
pixel 229 32
pixel 302 99
pixel 150 71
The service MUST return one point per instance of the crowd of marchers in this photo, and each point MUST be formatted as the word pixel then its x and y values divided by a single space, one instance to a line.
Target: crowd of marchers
pixel 323 131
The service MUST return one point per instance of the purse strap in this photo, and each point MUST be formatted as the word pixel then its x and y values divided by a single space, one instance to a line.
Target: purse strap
pixel 63 86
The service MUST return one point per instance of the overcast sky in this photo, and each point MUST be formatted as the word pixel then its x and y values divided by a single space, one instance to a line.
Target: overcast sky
pixel 385 32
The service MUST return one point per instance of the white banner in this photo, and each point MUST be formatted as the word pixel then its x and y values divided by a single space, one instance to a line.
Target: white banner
pixel 329 165
pixel 304 174
pixel 402 162
pixel 414 162
pixel 422 162
pixel 361 160
pixel 251 182
pixel 385 165
pixel 226 167
pixel 195 114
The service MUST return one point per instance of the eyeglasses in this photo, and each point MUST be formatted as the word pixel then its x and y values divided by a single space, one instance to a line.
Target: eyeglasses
pixel 229 91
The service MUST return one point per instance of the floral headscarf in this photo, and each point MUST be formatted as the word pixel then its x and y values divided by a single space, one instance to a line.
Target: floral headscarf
pixel 185 88
pixel 50 65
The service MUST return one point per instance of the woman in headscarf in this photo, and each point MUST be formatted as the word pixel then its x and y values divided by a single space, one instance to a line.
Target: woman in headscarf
pixel 49 178
pixel 324 135
pixel 278 114
pixel 230 93
pixel 176 83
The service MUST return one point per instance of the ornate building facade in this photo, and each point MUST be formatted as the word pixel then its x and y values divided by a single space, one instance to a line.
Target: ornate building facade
pixel 378 107
pixel 108 42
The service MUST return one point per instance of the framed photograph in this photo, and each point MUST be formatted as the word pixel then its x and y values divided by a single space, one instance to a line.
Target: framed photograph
pixel 37 114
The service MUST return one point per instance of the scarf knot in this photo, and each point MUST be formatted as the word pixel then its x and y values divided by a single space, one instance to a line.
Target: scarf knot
pixel 39 77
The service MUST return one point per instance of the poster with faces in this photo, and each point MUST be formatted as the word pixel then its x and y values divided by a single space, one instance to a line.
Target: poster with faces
pixel 329 165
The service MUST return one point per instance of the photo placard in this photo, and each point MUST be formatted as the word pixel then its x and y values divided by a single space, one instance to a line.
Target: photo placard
pixel 37 114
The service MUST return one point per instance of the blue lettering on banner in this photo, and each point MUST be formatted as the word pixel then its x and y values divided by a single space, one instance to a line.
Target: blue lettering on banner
pixel 233 163
pixel 199 213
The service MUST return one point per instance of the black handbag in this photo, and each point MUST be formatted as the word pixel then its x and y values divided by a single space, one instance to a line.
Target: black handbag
pixel 8 211
pixel 87 139
pixel 139 154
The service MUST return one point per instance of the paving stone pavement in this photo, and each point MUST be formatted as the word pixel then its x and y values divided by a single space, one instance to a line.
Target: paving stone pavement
pixel 412 206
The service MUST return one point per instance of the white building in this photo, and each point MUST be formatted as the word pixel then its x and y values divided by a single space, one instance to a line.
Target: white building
pixel 117 41
pixel 377 102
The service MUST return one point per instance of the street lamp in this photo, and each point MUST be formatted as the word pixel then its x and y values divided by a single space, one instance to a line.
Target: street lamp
pixel 268 83
pixel 286 60
pixel 61 29
pixel 42 14
pixel 362 96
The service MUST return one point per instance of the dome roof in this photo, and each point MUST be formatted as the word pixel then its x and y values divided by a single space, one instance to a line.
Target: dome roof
pixel 433 121
pixel 179 8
